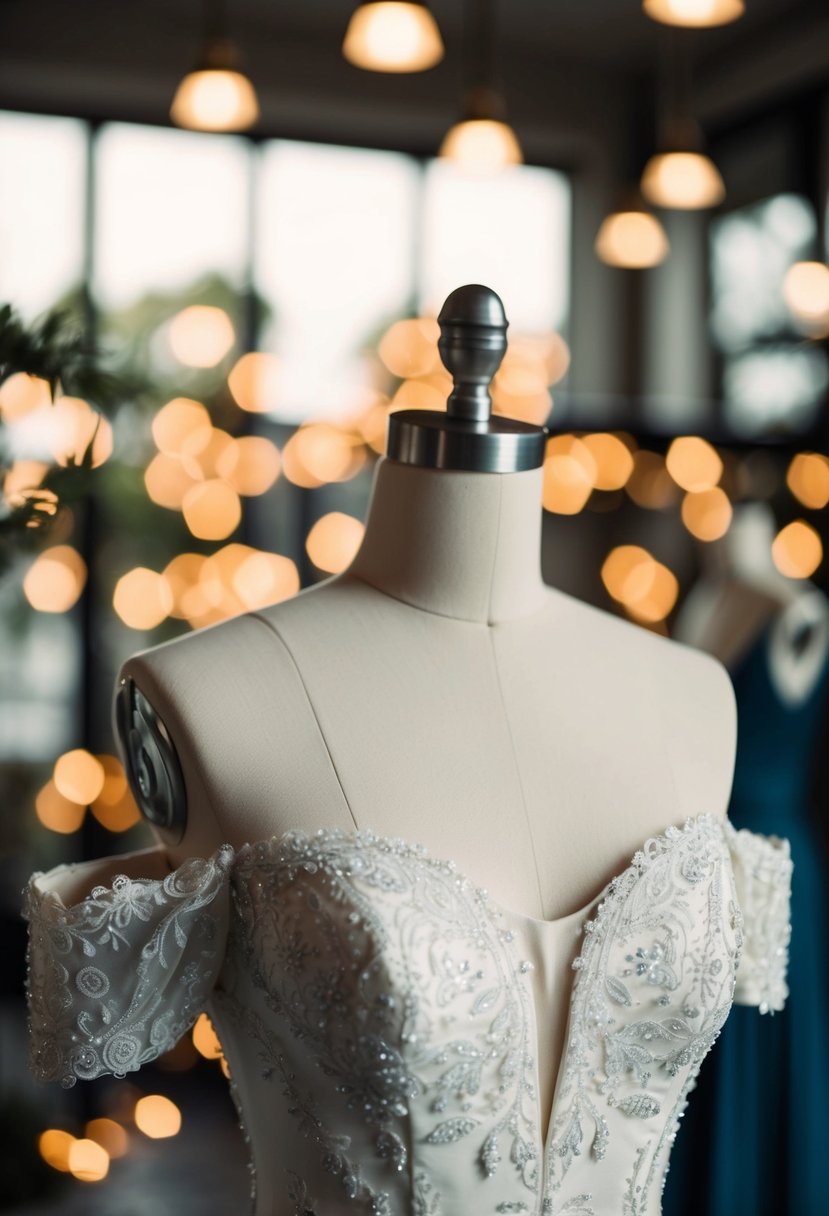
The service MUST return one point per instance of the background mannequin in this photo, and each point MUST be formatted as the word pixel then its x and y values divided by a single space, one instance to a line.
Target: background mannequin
pixel 742 593
pixel 774 633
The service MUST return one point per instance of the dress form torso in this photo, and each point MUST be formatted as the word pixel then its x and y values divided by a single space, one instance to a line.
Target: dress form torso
pixel 399 1037
pixel 439 691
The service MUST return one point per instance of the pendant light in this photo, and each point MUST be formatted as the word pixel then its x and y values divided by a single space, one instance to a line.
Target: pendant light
pixel 481 142
pixel 393 36
pixel 215 95
pixel 631 237
pixel 680 176
pixel 698 14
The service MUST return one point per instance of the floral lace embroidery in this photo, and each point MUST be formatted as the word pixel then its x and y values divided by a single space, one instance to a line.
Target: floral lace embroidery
pixel 682 975
pixel 762 875
pixel 326 982
pixel 393 971
pixel 157 947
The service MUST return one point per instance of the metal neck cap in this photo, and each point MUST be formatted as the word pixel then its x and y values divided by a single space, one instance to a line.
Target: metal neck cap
pixel 473 339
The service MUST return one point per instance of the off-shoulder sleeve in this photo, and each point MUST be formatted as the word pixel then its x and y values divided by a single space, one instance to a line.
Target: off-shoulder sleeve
pixel 115 980
pixel 762 868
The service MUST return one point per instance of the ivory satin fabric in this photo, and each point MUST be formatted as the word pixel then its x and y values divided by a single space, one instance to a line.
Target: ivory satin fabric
pixel 400 1043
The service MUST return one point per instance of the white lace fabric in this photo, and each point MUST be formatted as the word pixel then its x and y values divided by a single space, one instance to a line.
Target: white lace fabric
pixel 379 1021
pixel 762 868
pixel 115 980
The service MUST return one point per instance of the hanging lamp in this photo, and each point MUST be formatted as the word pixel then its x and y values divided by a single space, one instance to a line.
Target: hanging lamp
pixel 393 36
pixel 680 176
pixel 215 95
pixel 631 237
pixel 698 14
pixel 481 142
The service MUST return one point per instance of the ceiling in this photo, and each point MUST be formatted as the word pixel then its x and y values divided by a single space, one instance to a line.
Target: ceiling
pixel 569 67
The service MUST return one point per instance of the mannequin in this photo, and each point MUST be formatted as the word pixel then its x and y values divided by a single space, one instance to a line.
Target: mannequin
pixel 441 643
pixel 439 691
pixel 395 814
pixel 774 634
pixel 741 593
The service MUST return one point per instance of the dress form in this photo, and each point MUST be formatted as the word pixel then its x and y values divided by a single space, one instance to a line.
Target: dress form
pixel 741 593
pixel 438 688
pixel 439 691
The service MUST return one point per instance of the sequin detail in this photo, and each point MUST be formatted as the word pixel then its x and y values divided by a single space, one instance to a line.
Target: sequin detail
pixel 377 994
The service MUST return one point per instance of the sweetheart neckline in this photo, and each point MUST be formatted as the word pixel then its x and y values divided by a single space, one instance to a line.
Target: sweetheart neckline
pixel 660 841
pixel 660 844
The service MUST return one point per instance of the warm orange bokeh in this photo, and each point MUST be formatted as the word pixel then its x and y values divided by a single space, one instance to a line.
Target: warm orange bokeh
pixel 333 541
pixel 55 579
pixel 157 1117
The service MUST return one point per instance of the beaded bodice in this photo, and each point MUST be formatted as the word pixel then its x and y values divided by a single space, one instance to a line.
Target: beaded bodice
pixel 380 1014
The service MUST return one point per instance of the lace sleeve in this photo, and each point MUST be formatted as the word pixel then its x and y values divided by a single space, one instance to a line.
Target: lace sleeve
pixel 115 980
pixel 762 869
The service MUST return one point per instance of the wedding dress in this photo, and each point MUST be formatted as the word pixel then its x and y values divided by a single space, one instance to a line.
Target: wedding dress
pixel 382 1016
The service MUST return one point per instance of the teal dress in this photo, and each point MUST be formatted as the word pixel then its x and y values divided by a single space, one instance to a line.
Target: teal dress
pixel 753 1141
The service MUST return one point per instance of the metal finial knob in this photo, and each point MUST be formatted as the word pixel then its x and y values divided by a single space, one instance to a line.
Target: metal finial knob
pixel 473 339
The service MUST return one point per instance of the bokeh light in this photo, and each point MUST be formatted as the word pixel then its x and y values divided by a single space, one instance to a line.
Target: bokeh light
pixel 182 574
pixel 201 335
pixel 72 426
pixel 205 1039
pixel 88 1161
pixel 250 465
pixel 806 292
pixel 157 1116
pixel 115 808
pixel 318 453
pixel 693 463
pixel 808 479
pixel 650 485
pixel 57 812
pixel 53 1145
pixel 211 509
pixel 201 459
pixel 265 578
pixel 79 775
pixel 797 550
pixel 569 475
pixel 179 420
pixel 613 460
pixel 646 588
pixel 109 1134
pixel 421 395
pixel 142 598
pixel 254 382
pixel 55 580
pixel 167 481
pixel 410 348
pixel 333 541
pixel 707 513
